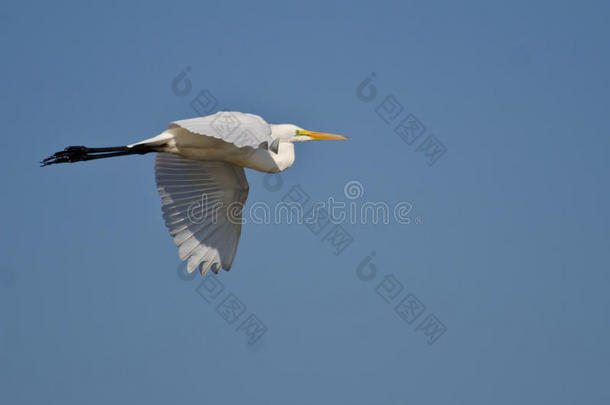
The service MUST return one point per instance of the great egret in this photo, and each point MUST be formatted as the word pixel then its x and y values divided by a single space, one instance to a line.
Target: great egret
pixel 201 161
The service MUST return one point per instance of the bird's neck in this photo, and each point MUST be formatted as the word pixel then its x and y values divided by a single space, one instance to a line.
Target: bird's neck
pixel 284 156
pixel 265 160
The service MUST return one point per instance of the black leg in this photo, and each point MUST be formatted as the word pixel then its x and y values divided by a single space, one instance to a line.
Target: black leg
pixel 73 154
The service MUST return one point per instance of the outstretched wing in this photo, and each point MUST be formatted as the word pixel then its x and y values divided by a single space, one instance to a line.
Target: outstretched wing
pixel 202 204
pixel 235 127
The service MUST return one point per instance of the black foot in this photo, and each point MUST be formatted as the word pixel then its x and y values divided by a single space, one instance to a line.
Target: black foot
pixel 81 153
pixel 69 155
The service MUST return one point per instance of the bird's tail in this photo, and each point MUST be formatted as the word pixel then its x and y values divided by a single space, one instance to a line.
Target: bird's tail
pixel 73 154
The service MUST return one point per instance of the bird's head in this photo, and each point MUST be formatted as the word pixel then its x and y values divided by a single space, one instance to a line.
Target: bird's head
pixel 293 133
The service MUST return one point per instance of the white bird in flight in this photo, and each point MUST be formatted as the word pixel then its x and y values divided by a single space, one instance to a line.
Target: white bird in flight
pixel 200 162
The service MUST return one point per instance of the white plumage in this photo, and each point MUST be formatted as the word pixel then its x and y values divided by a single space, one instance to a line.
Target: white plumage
pixel 200 176
pixel 239 129
pixel 196 198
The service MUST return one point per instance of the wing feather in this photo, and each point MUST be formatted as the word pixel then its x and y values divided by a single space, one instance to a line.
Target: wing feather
pixel 195 196
pixel 235 127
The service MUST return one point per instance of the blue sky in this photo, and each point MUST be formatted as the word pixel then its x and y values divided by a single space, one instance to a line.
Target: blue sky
pixel 509 252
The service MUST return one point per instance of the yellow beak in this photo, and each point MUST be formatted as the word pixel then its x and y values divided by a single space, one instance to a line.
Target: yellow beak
pixel 321 135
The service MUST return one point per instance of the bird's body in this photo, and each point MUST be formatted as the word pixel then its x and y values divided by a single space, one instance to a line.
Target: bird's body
pixel 200 176
pixel 182 142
